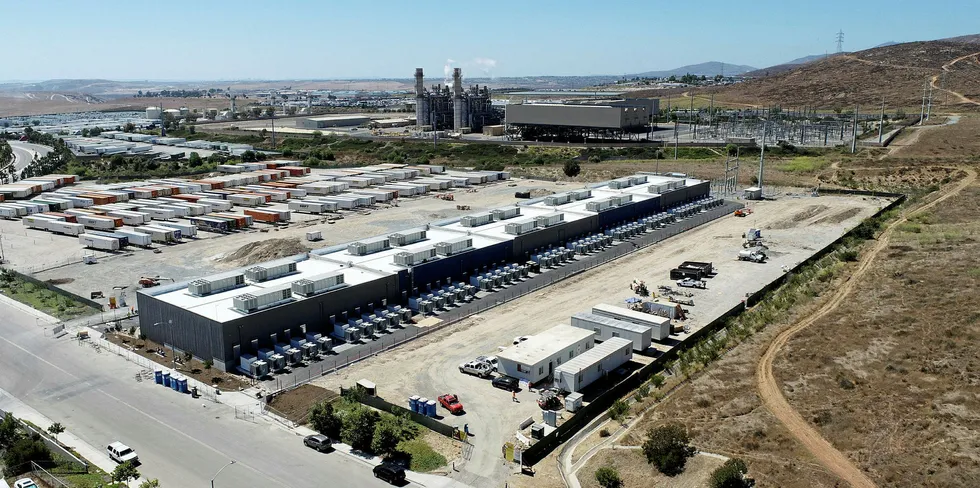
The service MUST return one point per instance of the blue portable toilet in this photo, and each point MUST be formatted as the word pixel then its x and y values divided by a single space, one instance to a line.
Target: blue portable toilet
pixel 158 377
pixel 430 408
pixel 413 403
pixel 174 381
pixel 183 384
pixel 166 378
pixel 422 405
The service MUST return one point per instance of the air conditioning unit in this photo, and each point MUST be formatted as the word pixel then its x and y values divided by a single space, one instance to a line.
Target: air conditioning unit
pixel 216 284
pixel 313 285
pixel 270 271
pixel 252 302
pixel 454 246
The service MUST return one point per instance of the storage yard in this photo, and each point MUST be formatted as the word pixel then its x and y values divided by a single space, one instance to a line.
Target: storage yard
pixel 428 366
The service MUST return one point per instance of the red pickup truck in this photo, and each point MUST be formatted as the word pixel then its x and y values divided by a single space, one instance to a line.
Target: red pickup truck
pixel 451 402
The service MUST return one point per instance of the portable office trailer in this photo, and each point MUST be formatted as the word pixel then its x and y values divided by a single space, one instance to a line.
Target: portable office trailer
pixel 454 246
pixel 659 325
pixel 608 327
pixel 407 237
pixel 536 358
pixel 592 365
pixel 368 246
pixel 216 205
pixel 99 242
pixel 136 238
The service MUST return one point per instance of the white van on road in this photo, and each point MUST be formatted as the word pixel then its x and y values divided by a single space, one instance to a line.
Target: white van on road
pixel 122 453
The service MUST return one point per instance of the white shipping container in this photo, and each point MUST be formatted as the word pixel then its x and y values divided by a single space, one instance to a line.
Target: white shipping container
pixel 136 238
pixel 157 213
pixel 99 242
pixel 307 207
pixel 186 230
pixel 130 218
pixel 17 211
pixel 216 205
pixel 66 228
pixel 7 212
pixel 158 234
pixel 178 211
pixel 246 200
pixel 98 223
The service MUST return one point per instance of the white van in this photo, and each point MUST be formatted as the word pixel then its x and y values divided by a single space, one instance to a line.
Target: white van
pixel 122 453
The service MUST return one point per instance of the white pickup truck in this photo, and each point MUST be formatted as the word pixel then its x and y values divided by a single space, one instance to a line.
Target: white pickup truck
pixel 476 368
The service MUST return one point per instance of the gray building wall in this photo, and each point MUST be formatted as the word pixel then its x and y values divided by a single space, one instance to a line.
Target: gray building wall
pixel 598 116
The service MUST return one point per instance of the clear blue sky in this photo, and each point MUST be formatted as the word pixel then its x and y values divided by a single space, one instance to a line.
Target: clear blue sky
pixel 288 39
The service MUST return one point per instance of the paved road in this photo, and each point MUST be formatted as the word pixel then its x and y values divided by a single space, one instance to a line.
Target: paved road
pixel 24 153
pixel 181 441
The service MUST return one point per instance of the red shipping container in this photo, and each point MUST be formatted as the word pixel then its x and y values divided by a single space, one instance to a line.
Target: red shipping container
pixel 262 215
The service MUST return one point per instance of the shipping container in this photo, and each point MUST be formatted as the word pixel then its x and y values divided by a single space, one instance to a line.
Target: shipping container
pixel 263 215
pixel 243 221
pixel 245 200
pixel 157 213
pixel 99 242
pixel 216 204
pixel 136 238
pixel 16 210
pixel 214 224
pixel 123 239
pixel 159 234
pixel 307 207
pixel 130 218
pixel 66 228
pixel 62 216
pixel 186 230
pixel 99 223
pixel 53 206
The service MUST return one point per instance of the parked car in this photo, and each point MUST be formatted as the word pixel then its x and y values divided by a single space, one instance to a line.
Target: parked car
pixel 391 473
pixel 520 339
pixel 478 368
pixel 506 383
pixel 491 360
pixel 121 453
pixel 689 283
pixel 25 483
pixel 319 442
pixel 451 402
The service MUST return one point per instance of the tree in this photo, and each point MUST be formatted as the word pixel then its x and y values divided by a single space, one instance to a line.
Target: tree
pixel 17 457
pixel 667 447
pixel 317 134
pixel 150 484
pixel 291 110
pixel 9 430
pixel 117 161
pixel 387 435
pixel 731 475
pixel 195 160
pixel 572 168
pixel 248 157
pixel 256 111
pixel 270 111
pixel 618 410
pixel 732 149
pixel 358 427
pixel 95 131
pixel 608 477
pixel 125 472
pixel 55 429
pixel 129 127
pixel 323 420
pixel 84 132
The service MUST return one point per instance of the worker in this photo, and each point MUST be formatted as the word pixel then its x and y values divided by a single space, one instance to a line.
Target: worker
pixel 513 396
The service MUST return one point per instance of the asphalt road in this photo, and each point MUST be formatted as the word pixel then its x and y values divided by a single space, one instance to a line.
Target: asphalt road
pixel 24 153
pixel 180 441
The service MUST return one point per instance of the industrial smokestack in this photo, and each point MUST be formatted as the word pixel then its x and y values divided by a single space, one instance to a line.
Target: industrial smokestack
pixel 419 85
pixel 421 109
pixel 457 100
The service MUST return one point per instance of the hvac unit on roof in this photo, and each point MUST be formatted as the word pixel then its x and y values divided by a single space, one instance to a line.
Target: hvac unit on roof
pixel 252 302
pixel 318 284
pixel 270 271
pixel 454 246
pixel 410 258
pixel 215 284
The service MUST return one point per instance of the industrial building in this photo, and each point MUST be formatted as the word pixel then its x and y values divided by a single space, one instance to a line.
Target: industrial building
pixel 577 121
pixel 593 365
pixel 660 325
pixel 391 270
pixel 326 121
pixel 606 328
pixel 536 358
pixel 456 109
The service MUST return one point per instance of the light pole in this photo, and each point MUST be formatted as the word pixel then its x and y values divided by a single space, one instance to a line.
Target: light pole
pixel 173 353
pixel 219 472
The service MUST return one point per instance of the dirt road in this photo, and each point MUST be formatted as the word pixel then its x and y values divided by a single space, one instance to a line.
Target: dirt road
pixel 771 392
pixel 946 67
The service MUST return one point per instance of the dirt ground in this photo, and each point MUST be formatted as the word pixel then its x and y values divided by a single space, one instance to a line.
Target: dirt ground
pixel 636 472
pixel 428 367
pixel 295 404
pixel 193 368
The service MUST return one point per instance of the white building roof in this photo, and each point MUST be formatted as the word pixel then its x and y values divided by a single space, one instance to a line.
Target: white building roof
pixel 595 355
pixel 542 346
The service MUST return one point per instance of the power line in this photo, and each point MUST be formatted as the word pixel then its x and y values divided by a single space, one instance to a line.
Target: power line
pixel 840 41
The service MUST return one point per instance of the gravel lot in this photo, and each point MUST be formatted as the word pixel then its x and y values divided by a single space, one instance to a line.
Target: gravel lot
pixel 794 226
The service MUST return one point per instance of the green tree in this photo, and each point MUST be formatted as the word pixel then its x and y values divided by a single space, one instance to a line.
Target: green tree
pixel 117 161
pixel 55 429
pixel 9 429
pixel 732 149
pixel 667 447
pixel 270 111
pixel 195 160
pixel 387 435
pixel 731 475
pixel 150 484
pixel 248 157
pixel 572 168
pixel 85 132
pixel 192 129
pixel 358 427
pixel 324 420
pixel 256 111
pixel 125 472
pixel 317 134
pixel 129 127
pixel 618 410
pixel 608 477
pixel 17 457
pixel 95 131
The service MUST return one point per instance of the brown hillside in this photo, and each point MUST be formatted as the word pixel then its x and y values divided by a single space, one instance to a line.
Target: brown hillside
pixel 895 72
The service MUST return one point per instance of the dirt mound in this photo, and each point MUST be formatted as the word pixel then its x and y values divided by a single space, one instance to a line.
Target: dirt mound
pixel 540 192
pixel 839 217
pixel 60 281
pixel 806 214
pixel 257 252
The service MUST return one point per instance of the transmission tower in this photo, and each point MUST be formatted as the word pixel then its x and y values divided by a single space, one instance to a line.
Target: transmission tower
pixel 840 41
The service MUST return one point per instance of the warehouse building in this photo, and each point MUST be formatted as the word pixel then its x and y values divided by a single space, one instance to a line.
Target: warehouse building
pixel 617 119
pixel 593 365
pixel 326 121
pixel 392 269
pixel 536 358
pixel 606 328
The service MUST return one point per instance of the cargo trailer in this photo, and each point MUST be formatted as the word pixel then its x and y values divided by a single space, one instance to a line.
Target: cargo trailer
pixel 245 200
pixel 157 213
pixel 16 211
pixel 186 230
pixel 123 239
pixel 130 218
pixel 66 228
pixel 61 216
pixel 308 207
pixel 98 223
pixel 242 221
pixel 99 242
pixel 136 238
pixel 216 204
pixel 53 206
pixel 263 215
pixel 158 234
pixel 214 224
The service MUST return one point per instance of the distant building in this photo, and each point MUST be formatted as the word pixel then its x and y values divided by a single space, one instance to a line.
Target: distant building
pixel 609 119
pixel 325 121
pixel 458 110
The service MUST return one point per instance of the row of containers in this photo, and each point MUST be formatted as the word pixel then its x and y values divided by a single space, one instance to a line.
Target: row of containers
pixel 696 207
pixel 174 381
pixel 282 355
pixel 422 406
pixel 501 276
pixel 369 325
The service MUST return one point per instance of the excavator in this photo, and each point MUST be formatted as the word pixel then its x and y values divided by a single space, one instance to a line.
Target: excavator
pixel 743 212
pixel 150 282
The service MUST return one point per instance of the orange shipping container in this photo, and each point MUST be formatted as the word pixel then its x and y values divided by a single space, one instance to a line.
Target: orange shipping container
pixel 98 199
pixel 67 217
pixel 262 216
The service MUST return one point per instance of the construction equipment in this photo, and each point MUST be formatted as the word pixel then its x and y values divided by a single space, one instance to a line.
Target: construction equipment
pixel 462 207
pixel 446 196
pixel 149 282
pixel 753 238
pixel 548 400
pixel 682 301
pixel 755 255
pixel 669 291
pixel 743 212
pixel 640 288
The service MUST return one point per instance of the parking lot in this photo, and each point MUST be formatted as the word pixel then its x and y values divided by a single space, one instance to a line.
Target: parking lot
pixel 428 366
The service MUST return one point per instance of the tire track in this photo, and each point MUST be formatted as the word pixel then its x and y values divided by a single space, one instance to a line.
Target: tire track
pixel 769 390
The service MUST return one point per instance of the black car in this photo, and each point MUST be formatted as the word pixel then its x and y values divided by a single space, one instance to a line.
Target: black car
pixel 319 442
pixel 391 473
pixel 507 383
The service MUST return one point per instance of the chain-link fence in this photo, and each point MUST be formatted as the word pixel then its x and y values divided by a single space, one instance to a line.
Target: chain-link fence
pixel 582 263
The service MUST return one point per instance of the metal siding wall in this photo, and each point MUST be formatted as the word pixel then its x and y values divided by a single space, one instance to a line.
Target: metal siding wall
pixel 566 115
pixel 460 266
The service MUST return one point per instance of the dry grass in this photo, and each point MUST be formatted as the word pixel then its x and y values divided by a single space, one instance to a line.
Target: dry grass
pixel 636 472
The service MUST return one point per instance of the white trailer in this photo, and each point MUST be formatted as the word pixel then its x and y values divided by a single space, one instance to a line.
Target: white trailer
pixel 307 207
pixel 606 328
pixel 660 325
pixel 216 205
pixel 157 213
pixel 130 218
pixel 186 230
pixel 16 210
pixel 594 364
pixel 99 242
pixel 66 228
pixel 97 223
pixel 178 211
pixel 136 238
pixel 159 234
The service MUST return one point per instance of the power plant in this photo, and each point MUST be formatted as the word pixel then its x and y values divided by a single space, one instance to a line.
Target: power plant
pixel 456 109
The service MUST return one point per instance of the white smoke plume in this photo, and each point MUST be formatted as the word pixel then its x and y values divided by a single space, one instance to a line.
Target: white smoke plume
pixel 447 72
pixel 486 65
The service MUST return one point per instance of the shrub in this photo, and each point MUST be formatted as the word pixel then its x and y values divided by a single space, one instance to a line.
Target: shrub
pixel 572 168
pixel 608 477
pixel 657 380
pixel 17 458
pixel 849 255
pixel 604 433
pixel 358 427
pixel 668 447
pixel 731 475
pixel 618 410
pixel 323 420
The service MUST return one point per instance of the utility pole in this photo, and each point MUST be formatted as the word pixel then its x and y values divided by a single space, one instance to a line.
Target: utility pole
pixel 840 41
pixel 762 154
pixel 881 120
pixel 711 111
pixel 922 109
pixel 675 138
pixel 273 128
pixel 929 106
pixel 690 117
pixel 854 130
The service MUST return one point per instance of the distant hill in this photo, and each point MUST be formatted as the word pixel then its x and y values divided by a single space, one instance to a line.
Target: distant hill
pixel 710 68
pixel 787 66
pixel 886 44
pixel 896 72
pixel 970 39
